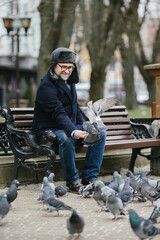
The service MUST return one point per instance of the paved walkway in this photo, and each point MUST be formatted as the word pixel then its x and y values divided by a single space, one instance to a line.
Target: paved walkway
pixel 27 220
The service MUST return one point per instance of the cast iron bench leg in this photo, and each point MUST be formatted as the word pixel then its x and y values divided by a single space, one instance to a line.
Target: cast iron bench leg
pixel 135 152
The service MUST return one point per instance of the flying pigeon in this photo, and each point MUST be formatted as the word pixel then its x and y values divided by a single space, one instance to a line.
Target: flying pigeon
pixel 4 207
pixel 93 111
pixel 143 228
pixel 75 224
pixel 12 191
pixel 115 205
pixel 156 212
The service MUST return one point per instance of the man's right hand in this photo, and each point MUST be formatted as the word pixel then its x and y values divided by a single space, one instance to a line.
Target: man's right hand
pixel 80 134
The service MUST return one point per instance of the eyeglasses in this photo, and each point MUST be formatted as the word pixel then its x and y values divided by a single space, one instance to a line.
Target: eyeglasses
pixel 64 68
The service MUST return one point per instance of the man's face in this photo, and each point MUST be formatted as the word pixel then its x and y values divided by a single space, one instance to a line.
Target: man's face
pixel 64 70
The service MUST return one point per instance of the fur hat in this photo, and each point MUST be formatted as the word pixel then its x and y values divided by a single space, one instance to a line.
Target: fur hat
pixel 64 55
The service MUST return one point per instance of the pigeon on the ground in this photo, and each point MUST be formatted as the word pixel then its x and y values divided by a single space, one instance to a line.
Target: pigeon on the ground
pixel 156 212
pixel 4 207
pixel 12 191
pixel 155 183
pixel 87 191
pixel 134 183
pixel 93 111
pixel 75 224
pixel 126 193
pixel 143 228
pixel 45 185
pixel 147 191
pixel 120 181
pixel 61 191
pixel 114 205
pixel 53 203
pixel 97 195
pixel 51 180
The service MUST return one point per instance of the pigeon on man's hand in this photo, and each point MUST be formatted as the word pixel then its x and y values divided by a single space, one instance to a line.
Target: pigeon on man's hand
pixel 143 228
pixel 75 224
pixel 12 191
pixel 4 207
pixel 93 111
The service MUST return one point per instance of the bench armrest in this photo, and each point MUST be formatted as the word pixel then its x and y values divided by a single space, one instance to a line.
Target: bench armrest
pixel 142 130
pixel 27 135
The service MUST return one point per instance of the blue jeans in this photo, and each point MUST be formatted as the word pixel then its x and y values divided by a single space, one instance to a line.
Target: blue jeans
pixel 93 160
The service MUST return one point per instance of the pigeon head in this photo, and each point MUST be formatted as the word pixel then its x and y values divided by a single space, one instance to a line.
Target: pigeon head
pixel 133 218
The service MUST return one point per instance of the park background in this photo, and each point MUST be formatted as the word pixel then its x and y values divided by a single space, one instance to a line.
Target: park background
pixel 113 41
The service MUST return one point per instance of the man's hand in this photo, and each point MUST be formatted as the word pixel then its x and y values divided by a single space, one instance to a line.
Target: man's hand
pixel 80 134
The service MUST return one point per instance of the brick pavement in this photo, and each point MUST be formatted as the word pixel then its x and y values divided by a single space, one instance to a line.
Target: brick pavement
pixel 26 219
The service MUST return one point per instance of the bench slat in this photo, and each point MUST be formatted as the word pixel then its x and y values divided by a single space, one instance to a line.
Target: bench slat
pixel 119 137
pixel 119 132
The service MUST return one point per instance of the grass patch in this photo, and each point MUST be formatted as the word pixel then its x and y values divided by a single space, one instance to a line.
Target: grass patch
pixel 141 112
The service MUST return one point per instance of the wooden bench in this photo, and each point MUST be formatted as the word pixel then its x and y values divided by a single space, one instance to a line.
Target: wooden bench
pixel 122 133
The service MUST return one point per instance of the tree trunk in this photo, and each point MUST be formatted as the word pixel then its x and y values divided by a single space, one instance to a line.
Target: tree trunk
pixel 57 23
pixel 97 84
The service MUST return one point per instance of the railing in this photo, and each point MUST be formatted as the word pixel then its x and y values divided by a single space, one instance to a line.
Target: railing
pixel 4 144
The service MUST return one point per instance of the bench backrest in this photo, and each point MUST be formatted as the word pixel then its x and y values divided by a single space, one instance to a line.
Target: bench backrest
pixel 116 119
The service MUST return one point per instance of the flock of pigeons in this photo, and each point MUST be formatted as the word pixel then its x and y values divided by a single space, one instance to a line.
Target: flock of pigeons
pixel 111 197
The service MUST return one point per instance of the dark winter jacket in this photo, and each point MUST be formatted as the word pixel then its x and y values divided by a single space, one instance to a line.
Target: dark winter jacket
pixel 56 107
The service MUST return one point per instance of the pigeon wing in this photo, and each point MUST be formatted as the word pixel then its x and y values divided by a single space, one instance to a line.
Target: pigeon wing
pixel 103 105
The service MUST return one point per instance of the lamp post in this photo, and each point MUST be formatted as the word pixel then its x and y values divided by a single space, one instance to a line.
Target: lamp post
pixel 13 25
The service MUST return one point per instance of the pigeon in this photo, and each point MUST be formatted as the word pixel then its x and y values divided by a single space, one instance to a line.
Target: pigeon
pixel 87 190
pixel 106 190
pixel 114 205
pixel 155 126
pixel 75 224
pixel 4 207
pixel 53 203
pixel 51 180
pixel 45 185
pixel 12 191
pixel 154 183
pixel 156 212
pixel 93 136
pixel 147 191
pixel 97 195
pixel 93 111
pixel 61 191
pixel 126 193
pixel 120 181
pixel 143 228
pixel 134 183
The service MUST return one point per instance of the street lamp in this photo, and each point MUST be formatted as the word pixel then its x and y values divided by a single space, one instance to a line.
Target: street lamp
pixel 13 25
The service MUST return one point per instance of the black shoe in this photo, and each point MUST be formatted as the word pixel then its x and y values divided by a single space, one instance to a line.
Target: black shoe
pixel 86 182
pixel 75 186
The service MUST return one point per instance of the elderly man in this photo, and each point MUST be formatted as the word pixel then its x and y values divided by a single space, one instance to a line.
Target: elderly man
pixel 57 109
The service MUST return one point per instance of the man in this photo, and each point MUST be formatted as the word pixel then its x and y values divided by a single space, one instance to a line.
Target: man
pixel 57 109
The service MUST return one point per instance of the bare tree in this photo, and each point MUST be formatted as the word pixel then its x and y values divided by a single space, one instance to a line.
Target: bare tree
pixel 57 21
pixel 102 28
